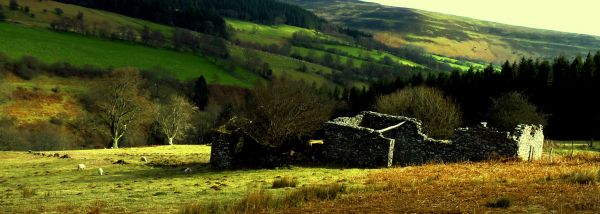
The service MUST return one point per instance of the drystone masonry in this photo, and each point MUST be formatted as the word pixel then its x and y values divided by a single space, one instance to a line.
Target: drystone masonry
pixel 222 149
pixel 351 143
pixel 231 148
pixel 372 139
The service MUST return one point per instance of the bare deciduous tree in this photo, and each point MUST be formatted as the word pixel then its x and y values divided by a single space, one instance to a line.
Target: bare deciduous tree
pixel 121 102
pixel 283 112
pixel 175 118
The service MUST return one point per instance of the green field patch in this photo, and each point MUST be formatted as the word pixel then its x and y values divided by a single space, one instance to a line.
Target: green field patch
pixel 568 147
pixel 374 54
pixel 262 34
pixel 306 52
pixel 49 46
pixel 288 67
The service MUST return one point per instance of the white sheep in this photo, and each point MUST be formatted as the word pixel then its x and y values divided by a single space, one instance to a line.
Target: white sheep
pixel 187 170
pixel 80 166
pixel 100 171
pixel 144 159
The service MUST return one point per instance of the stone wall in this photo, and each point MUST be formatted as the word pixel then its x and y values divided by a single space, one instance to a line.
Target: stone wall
pixel 482 143
pixel 350 144
pixel 232 149
pixel 377 140
pixel 223 150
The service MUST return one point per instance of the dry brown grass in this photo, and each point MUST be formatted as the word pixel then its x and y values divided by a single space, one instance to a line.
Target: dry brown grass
pixel 261 201
pixel 283 182
pixel 537 187
pixel 36 104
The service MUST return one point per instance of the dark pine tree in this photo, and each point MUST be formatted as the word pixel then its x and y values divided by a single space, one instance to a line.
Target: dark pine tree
pixel 13 5
pixel 200 94
pixel 2 17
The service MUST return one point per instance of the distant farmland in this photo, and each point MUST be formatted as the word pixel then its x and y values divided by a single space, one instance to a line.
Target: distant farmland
pixel 49 46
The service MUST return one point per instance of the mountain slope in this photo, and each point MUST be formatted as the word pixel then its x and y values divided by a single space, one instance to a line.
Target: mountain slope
pixel 449 35
pixel 27 33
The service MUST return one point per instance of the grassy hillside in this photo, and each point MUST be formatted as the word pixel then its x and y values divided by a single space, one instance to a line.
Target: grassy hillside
pixel 81 50
pixel 42 19
pixel 451 36
pixel 47 184
pixel 42 98
pixel 279 35
pixel 50 46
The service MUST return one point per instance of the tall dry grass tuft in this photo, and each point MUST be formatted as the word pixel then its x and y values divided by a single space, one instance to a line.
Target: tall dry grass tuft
pixel 96 208
pixel 313 193
pixel 255 202
pixel 260 201
pixel 193 208
pixel 28 192
pixel 582 176
pixel 283 182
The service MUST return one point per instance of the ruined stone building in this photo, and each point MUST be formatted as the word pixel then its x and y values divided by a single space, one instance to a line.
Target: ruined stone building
pixel 372 139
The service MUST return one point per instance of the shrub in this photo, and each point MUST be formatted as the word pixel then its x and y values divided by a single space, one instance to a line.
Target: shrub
pixel 27 67
pixel 512 109
pixel 58 11
pixel 503 202
pixel 283 182
pixel 440 115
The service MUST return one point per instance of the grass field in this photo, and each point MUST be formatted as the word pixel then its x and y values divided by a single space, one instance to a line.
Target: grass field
pixel 459 64
pixel 283 66
pixel 377 55
pixel 306 52
pixel 271 34
pixel 53 185
pixel 569 147
pixel 262 34
pixel 48 46
pixel 157 186
pixel 42 19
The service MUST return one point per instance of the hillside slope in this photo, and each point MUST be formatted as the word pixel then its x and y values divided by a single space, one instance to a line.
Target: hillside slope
pixel 27 33
pixel 51 47
pixel 449 35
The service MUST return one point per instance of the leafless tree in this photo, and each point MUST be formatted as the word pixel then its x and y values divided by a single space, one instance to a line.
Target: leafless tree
pixel 121 102
pixel 284 111
pixel 175 118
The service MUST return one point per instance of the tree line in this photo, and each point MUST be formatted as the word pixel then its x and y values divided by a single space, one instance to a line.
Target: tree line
pixel 206 16
pixel 563 90
pixel 127 106
pixel 181 39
